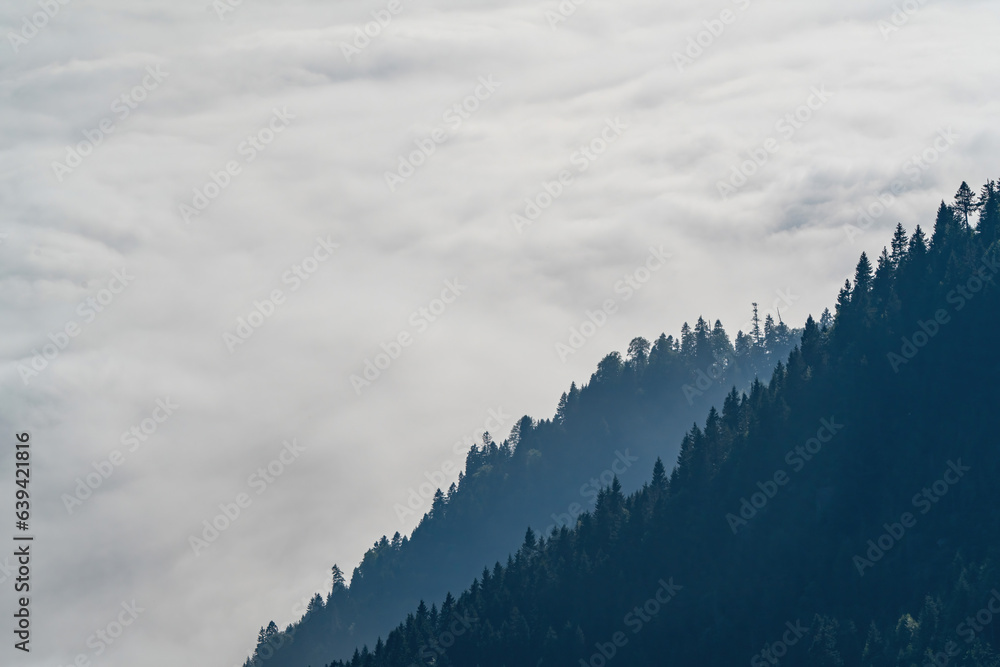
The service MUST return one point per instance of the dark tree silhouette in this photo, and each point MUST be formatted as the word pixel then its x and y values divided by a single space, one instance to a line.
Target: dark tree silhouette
pixel 735 556
pixel 965 201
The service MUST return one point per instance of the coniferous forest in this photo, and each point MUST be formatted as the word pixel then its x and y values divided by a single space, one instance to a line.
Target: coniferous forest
pixel 827 498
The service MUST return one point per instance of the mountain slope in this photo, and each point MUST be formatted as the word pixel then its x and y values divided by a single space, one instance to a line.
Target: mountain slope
pixel 841 515
pixel 545 475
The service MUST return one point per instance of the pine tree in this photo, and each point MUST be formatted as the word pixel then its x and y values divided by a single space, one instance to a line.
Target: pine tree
pixel 687 341
pixel 944 224
pixel 770 334
pixel 811 342
pixel 529 541
pixel 882 282
pixel 438 504
pixel 659 475
pixel 720 340
pixel 447 608
pixel 918 245
pixel 989 213
pixel 561 409
pixel 988 190
pixel 860 297
pixel 862 276
pixel 701 327
pixel 898 246
pixel 703 343
pixel 965 201
pixel 755 333
pixel 742 345
pixel 843 300
pixel 338 575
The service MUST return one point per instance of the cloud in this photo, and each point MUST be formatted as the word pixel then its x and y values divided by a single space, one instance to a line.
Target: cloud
pixel 325 176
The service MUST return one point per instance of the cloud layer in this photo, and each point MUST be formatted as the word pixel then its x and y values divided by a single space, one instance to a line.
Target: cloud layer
pixel 179 99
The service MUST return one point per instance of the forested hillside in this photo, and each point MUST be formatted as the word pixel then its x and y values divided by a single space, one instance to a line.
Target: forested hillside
pixel 545 474
pixel 842 514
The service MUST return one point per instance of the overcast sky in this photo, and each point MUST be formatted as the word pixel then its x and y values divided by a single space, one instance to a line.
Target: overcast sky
pixel 298 132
